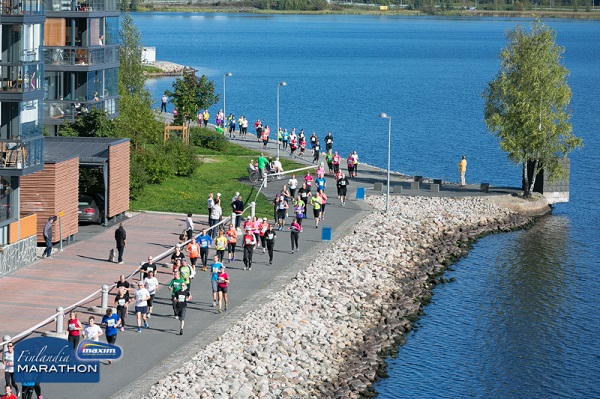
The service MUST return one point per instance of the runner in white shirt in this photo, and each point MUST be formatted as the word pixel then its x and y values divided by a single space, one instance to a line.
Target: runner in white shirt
pixel 93 330
pixel 141 305
pixel 293 185
pixel 151 284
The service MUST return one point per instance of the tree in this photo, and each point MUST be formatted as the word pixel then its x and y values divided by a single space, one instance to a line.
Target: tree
pixel 192 94
pixel 94 123
pixel 527 104
pixel 131 72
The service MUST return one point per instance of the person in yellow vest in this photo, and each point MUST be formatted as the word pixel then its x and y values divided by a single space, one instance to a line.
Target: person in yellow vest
pixel 462 169
pixel 205 117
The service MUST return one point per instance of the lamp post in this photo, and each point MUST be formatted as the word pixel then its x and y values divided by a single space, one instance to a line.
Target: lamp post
pixel 387 198
pixel 225 97
pixel 277 133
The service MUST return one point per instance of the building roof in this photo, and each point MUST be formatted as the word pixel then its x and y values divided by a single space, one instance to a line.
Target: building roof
pixel 92 151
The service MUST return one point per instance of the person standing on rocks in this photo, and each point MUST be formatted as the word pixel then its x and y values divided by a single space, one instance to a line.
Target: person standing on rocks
pixel 121 242
pixel 462 170
pixel 294 234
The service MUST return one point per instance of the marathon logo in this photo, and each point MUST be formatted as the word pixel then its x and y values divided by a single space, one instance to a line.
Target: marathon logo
pixel 92 350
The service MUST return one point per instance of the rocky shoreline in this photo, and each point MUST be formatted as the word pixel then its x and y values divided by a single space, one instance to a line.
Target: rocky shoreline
pixel 167 69
pixel 325 332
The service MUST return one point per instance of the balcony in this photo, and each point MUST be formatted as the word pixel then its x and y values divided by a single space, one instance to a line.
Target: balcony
pixel 20 78
pixel 55 112
pixel 81 5
pixel 77 56
pixel 21 157
pixel 21 7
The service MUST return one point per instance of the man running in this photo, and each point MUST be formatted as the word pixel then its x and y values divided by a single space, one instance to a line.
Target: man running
pixel 151 284
pixel 342 186
pixel 205 241
pixel 111 322
pixel 328 142
pixel 141 305
pixel 215 270
pixel 174 287
pixel 181 299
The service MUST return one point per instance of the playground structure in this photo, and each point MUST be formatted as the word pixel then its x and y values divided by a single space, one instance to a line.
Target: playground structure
pixel 181 131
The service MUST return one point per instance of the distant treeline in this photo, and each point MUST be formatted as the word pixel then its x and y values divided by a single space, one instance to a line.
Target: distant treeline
pixel 428 6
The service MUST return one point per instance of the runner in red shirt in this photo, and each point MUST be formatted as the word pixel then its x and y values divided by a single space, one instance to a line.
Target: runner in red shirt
pixel 249 241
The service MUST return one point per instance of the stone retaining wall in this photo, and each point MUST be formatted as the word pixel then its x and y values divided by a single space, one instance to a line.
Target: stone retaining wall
pixel 322 334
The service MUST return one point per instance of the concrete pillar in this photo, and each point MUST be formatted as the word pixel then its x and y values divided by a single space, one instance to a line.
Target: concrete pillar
pixel 59 320
pixel 104 301
pixel 252 208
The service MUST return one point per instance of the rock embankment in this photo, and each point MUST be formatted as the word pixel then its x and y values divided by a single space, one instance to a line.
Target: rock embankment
pixel 322 334
pixel 167 69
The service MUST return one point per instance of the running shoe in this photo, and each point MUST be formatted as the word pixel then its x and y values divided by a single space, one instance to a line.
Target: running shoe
pixel 220 311
pixel 145 325
pixel 214 304
pixel 139 330
pixel 181 332
pixel 149 315
pixel 122 328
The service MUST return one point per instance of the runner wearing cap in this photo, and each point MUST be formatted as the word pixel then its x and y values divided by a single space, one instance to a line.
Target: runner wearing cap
pixel 263 228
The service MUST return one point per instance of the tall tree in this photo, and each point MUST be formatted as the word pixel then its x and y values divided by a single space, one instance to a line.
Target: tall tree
pixel 131 72
pixel 191 94
pixel 527 104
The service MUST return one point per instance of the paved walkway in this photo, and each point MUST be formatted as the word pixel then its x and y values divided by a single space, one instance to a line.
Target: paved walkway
pixel 33 293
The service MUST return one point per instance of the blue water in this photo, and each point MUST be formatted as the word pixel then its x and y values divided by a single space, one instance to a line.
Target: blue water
pixel 520 320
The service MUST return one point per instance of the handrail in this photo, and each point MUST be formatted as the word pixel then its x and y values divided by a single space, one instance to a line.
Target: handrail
pixel 110 287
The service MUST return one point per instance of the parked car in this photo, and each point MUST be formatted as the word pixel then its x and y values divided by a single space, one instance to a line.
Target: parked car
pixel 90 209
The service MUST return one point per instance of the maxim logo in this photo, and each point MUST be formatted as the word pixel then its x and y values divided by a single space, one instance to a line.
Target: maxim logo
pixel 98 351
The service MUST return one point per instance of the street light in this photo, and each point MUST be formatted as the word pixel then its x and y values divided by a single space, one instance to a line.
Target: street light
pixel 389 118
pixel 277 134
pixel 224 97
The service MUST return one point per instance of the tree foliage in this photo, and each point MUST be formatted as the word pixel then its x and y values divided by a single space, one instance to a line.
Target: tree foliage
pixel 94 123
pixel 527 104
pixel 131 74
pixel 191 94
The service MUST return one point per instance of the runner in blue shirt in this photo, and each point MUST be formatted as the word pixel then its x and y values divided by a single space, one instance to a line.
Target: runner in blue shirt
pixel 215 269
pixel 205 241
pixel 321 184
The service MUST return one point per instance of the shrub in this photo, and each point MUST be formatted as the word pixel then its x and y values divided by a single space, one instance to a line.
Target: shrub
pixel 205 138
pixel 182 155
pixel 156 163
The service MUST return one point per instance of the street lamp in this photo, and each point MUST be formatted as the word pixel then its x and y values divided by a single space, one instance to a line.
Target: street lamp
pixel 277 134
pixel 224 96
pixel 389 118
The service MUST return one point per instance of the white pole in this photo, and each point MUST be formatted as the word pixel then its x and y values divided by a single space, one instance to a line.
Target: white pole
pixel 387 198
pixel 277 133
pixel 224 98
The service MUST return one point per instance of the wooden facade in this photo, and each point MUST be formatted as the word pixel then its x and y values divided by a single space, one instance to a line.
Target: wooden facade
pixel 118 178
pixel 25 227
pixel 50 191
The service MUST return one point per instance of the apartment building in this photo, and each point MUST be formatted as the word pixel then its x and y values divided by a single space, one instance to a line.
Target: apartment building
pixel 21 124
pixel 81 58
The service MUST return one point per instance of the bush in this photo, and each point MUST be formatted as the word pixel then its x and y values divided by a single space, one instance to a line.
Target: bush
pixel 156 163
pixel 138 177
pixel 182 155
pixel 206 138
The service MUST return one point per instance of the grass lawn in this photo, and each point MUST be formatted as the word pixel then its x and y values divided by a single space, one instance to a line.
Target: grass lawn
pixel 224 172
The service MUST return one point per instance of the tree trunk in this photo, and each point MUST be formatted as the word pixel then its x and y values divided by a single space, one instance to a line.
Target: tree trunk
pixel 525 178
pixel 532 184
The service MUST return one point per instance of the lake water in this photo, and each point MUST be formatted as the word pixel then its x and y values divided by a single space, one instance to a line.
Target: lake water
pixel 520 321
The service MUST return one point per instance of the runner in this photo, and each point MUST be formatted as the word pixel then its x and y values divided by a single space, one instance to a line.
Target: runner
pixel 8 392
pixel 320 170
pixel 231 125
pixel 75 328
pixel 122 301
pixel 270 236
pixel 147 267
pixel 293 145
pixel 92 331
pixel 215 268
pixel 321 183
pixel 279 137
pixel 222 282
pixel 244 127
pixel 205 241
pixel 282 210
pixel 258 128
pixel 304 193
pixel 193 250
pixel 299 210
pixel 220 245
pixel 177 255
pixel 181 300
pixel 294 234
pixel 350 163
pixel 205 117
pixel 329 160
pixel 123 283
pixel 256 230
pixel 342 186
pixel 141 305
pixel 265 136
pixel 285 139
pixel 355 158
pixel 151 283
pixel 264 226
pixel 302 147
pixel 8 359
pixel 293 185
pixel 336 162
pixel 316 152
pixel 323 203
pixel 111 322
pixel 328 142
pixel 231 243
pixel 174 287
pixel 315 202
pixel 308 179
pixel 240 122
pixel 238 208
pixel 186 272
pixel 313 140
pixel 249 241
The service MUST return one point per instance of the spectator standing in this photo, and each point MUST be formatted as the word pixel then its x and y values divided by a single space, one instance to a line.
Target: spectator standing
pixel 121 242
pixel 189 226
pixel 210 203
pixel 462 170
pixel 48 237
pixel 163 103
pixel 262 164
pixel 238 209
pixel 215 216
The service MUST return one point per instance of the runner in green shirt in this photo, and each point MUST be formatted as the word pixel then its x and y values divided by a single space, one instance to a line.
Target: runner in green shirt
pixel 174 287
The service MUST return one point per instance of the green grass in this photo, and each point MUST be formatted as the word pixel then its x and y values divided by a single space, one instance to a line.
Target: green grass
pixel 225 173
pixel 151 69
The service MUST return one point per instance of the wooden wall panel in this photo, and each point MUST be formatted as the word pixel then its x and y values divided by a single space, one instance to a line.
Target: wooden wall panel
pixel 25 227
pixel 118 178
pixel 51 191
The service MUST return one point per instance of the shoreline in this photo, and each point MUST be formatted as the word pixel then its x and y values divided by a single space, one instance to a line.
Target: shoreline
pixel 167 68
pixel 339 316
